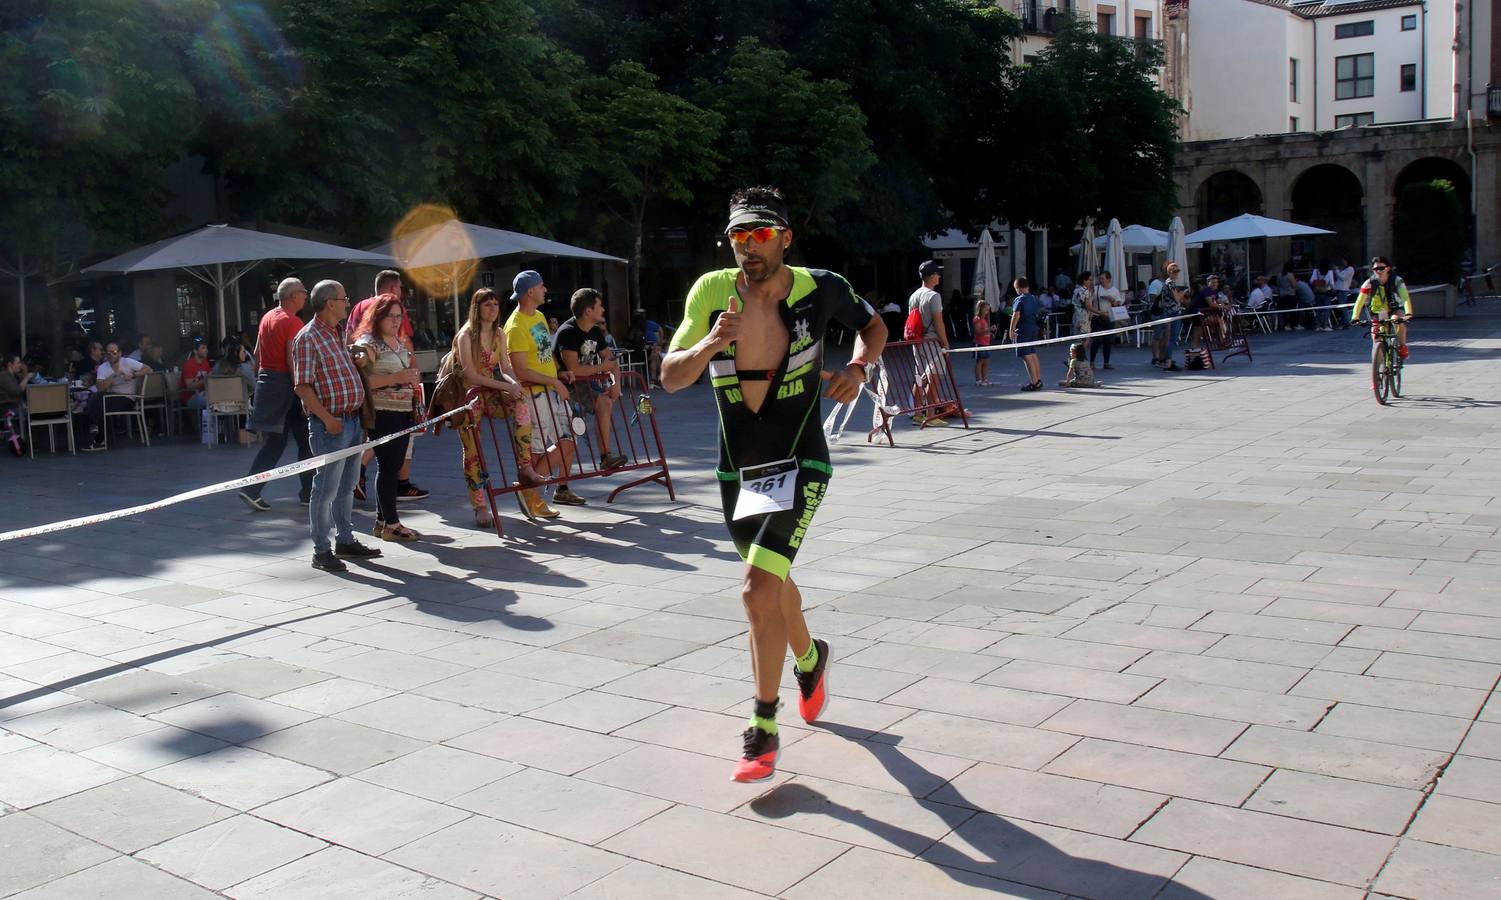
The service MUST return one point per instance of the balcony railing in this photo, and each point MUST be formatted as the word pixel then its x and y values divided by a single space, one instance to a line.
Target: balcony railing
pixel 1493 101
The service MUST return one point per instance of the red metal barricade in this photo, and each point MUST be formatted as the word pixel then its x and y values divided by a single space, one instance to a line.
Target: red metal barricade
pixel 633 436
pixel 903 364
pixel 1229 336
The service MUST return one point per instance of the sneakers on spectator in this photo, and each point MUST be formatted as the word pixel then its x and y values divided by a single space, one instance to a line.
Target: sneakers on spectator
pixel 94 445
pixel 611 461
pixel 359 490
pixel 355 550
pixel 329 563
pixel 255 503
pixel 813 687
pixel 568 497
pixel 758 759
pixel 537 508
pixel 410 492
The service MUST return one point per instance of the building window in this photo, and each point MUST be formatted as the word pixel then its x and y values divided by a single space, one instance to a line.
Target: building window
pixel 1355 29
pixel 1292 81
pixel 1354 76
pixel 1143 28
pixel 1105 23
pixel 1409 77
pixel 1365 118
pixel 192 312
pixel 1292 123
pixel 1409 23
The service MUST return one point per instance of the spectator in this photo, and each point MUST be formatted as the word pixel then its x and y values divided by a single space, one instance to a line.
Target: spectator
pixel 891 315
pixel 275 414
pixel 481 357
pixel 86 367
pixel 645 337
pixel 234 359
pixel 1062 284
pixel 1261 294
pixel 1080 372
pixel 195 370
pixel 116 375
pixel 1106 297
pixel 582 350
pixel 387 283
pixel 13 379
pixel 530 346
pixel 1206 304
pixel 325 379
pixel 929 305
pixel 1305 300
pixel 1083 302
pixel 1321 280
pixel 1164 301
pixel 1344 279
pixel 981 329
pixel 150 353
pixel 393 379
pixel 1024 328
pixel 1286 296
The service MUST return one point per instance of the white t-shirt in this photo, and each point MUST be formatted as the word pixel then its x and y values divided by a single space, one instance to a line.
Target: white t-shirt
pixel 1260 296
pixel 1343 277
pixel 128 367
pixel 1111 296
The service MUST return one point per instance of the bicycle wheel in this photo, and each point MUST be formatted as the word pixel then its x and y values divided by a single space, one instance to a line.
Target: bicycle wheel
pixel 1396 372
pixel 1379 384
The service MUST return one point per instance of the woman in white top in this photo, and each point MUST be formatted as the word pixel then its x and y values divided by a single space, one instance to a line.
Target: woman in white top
pixel 1105 297
pixel 392 378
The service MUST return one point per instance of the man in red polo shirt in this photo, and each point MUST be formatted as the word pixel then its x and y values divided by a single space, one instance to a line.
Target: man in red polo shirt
pixel 277 415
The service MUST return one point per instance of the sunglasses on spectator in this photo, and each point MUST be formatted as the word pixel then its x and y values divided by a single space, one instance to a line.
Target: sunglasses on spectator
pixel 1380 268
pixel 757 235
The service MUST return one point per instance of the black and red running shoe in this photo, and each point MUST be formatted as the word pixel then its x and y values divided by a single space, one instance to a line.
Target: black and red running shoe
pixel 813 687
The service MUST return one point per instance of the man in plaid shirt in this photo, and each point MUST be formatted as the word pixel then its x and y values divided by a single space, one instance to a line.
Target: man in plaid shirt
pixel 332 394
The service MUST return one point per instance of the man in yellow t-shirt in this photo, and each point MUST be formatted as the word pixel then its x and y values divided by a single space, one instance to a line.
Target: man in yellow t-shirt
pixel 530 344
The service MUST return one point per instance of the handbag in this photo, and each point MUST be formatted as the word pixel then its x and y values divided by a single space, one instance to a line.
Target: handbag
pixel 362 362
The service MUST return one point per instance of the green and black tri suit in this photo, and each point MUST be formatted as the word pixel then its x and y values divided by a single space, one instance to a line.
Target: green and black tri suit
pixel 788 424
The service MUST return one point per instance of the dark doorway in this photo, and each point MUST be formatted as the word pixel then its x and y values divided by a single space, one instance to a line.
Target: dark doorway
pixel 1330 196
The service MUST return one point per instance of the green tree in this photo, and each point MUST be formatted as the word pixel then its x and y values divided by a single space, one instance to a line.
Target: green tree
pixel 409 101
pixel 785 127
pixel 1428 232
pixel 1098 133
pixel 644 145
pixel 94 106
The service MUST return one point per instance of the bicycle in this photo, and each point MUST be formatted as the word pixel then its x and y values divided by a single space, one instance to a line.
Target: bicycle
pixel 1386 361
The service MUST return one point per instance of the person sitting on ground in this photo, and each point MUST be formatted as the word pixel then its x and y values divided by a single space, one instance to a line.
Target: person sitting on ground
pixel 582 350
pixel 195 371
pixel 1080 372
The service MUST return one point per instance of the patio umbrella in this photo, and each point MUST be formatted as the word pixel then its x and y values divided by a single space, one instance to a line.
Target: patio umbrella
pixel 1246 227
pixel 1177 249
pixel 1115 254
pixel 1135 239
pixel 1087 258
pixel 987 278
pixel 204 254
pixel 453 247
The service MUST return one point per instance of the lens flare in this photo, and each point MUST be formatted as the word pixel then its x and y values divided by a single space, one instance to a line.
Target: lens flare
pixel 434 250
pixel 244 64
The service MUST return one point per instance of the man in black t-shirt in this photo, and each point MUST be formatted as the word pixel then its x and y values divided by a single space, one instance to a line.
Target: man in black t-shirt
pixel 582 350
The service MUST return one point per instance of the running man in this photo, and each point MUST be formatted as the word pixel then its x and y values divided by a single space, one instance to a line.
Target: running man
pixel 1381 292
pixel 759 330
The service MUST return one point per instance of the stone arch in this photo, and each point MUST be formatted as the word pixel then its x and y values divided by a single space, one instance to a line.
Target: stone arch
pixel 1225 194
pixel 1328 195
pixel 1430 168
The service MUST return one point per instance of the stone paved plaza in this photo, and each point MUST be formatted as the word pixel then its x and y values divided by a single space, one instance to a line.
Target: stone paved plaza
pixel 1232 634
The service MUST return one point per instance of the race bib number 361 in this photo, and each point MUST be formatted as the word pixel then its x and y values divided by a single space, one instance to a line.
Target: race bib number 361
pixel 766 488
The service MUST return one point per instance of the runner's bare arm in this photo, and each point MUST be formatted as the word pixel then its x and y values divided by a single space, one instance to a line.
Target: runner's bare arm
pixel 844 385
pixel 681 368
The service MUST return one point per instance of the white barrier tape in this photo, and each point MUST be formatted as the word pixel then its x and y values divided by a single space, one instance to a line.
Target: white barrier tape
pixel 1073 337
pixel 296 468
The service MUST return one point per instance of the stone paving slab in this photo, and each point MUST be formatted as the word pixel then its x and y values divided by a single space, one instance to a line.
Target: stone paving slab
pixel 1227 634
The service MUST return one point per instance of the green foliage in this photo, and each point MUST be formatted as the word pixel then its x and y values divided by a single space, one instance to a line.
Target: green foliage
pixel 94 106
pixel 1097 133
pixel 810 142
pixel 1428 232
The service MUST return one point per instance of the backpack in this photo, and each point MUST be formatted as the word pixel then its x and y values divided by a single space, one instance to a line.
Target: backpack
pixel 912 330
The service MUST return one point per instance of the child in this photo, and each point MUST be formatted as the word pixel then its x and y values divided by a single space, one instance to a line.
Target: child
pixel 1080 372
pixel 982 331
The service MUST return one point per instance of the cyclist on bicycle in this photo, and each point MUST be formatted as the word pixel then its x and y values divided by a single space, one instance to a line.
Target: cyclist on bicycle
pixel 1380 292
